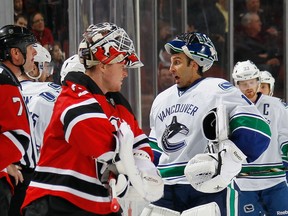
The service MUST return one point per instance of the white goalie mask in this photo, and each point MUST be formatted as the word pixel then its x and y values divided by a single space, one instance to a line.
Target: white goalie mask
pixel 108 44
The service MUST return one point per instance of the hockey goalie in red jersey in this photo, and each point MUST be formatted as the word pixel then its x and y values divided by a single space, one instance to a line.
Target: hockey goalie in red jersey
pixel 93 134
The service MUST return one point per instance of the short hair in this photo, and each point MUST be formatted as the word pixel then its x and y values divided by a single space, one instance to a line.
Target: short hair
pixel 17 17
pixel 33 15
pixel 247 18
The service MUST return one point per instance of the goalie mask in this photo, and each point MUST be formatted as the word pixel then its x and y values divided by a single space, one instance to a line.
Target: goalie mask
pixel 108 44
pixel 196 46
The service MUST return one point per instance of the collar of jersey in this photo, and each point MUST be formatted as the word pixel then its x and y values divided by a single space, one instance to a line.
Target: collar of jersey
pixel 181 91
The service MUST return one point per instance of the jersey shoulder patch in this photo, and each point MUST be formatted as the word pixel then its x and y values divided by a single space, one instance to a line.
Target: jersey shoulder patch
pixel 225 85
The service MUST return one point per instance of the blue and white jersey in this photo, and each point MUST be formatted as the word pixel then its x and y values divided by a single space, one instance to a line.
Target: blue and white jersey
pixel 176 119
pixel 40 98
pixel 284 147
pixel 259 173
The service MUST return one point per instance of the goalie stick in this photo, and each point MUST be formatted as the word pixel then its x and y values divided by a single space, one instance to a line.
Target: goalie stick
pixel 115 206
pixel 255 173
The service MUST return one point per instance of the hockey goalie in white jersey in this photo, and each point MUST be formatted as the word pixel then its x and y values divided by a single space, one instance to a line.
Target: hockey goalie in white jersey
pixel 178 140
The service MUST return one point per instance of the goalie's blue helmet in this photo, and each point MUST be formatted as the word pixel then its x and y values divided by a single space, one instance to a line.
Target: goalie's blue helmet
pixel 196 46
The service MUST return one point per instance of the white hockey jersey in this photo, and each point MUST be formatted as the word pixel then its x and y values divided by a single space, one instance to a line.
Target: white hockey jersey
pixel 176 120
pixel 40 98
pixel 259 174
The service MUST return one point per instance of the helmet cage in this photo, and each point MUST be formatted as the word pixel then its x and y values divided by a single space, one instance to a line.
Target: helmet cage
pixel 108 44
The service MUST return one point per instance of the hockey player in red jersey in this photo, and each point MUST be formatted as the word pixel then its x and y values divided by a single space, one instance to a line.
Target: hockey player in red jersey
pixel 92 134
pixel 16 52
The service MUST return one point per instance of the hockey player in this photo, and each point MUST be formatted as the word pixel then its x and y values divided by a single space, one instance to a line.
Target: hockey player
pixel 176 136
pixel 267 83
pixel 42 99
pixel 69 65
pixel 16 51
pixel 92 132
pixel 267 88
pixel 263 182
pixel 30 88
pixel 39 96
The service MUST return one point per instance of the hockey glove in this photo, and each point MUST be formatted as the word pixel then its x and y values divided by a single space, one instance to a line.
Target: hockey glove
pixel 152 183
pixel 137 165
pixel 211 173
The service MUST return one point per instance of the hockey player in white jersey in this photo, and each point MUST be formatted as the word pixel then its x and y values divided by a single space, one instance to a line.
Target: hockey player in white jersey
pixel 262 183
pixel 267 83
pixel 41 105
pixel 177 139
pixel 176 134
pixel 267 88
pixel 48 91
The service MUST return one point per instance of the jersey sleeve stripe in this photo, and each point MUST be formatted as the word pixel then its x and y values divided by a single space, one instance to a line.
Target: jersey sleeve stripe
pixel 80 184
pixel 253 122
pixel 20 139
pixel 69 126
pixel 68 172
pixel 84 108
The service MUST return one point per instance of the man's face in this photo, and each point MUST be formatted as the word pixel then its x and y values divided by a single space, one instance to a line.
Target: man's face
pixel 182 71
pixel 29 63
pixel 22 22
pixel 249 88
pixel 38 23
pixel 265 88
pixel 113 76
pixel 57 54
pixel 253 5
pixel 18 5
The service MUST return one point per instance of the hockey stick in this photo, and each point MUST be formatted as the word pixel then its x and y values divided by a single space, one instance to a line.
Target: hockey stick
pixel 115 206
pixel 255 173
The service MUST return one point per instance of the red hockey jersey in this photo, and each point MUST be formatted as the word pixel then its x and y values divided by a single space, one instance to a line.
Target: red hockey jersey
pixel 81 130
pixel 14 126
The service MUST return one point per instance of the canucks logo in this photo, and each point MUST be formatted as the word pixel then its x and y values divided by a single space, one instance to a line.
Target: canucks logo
pixel 225 85
pixel 172 132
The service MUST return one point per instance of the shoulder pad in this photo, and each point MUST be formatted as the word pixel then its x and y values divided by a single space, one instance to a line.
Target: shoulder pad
pixel 5 80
